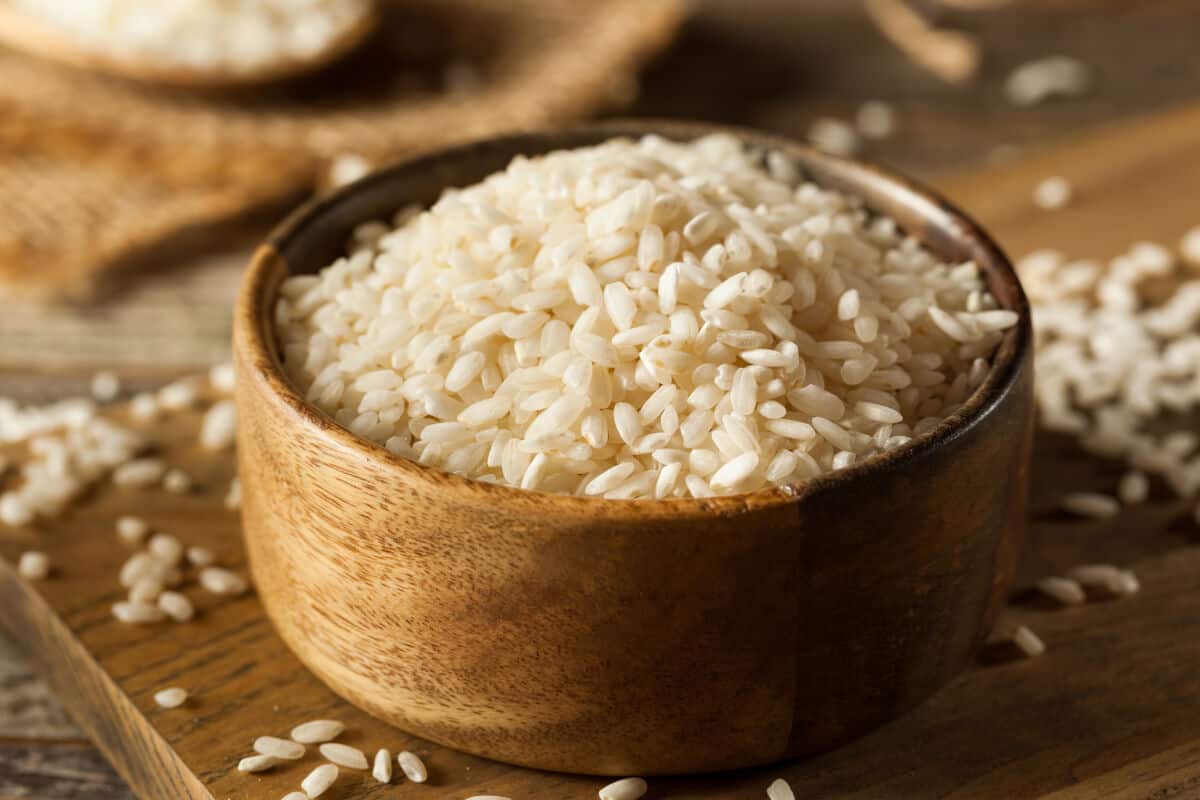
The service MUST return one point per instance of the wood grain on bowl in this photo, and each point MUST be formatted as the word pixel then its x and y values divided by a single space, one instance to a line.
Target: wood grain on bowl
pixel 577 634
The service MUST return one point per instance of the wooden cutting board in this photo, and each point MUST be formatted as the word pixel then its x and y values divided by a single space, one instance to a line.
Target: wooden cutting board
pixel 1109 711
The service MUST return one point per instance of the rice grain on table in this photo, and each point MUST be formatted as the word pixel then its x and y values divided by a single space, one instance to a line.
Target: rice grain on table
pixel 780 790
pixel 1028 642
pixel 381 769
pixel 876 119
pixel 179 395
pixel 176 481
pixel 1064 590
pixel 1091 504
pixel 1133 488
pixel 33 565
pixel 165 548
pixel 144 407
pixel 137 613
pixel 259 763
pixel 219 427
pixel 221 581
pixel 665 298
pixel 200 557
pixel 233 497
pixel 1052 193
pixel 344 755
pixel 317 731
pixel 172 697
pixel 105 386
pixel 221 377
pixel 177 606
pixel 132 530
pixel 412 766
pixel 624 789
pixel 139 473
pixel 283 749
pixel 319 780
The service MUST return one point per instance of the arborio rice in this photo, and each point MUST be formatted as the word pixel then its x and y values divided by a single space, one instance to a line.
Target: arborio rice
pixel 637 320
pixel 239 36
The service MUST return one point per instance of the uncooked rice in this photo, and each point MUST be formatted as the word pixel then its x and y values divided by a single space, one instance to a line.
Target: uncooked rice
pixel 283 749
pixel 139 473
pixel 875 119
pixel 1091 504
pixel 412 766
pixel 833 136
pixel 221 581
pixel 584 320
pixel 173 697
pixel 624 789
pixel 132 530
pixel 105 386
pixel 1064 590
pixel 258 763
pixel 176 481
pixel 243 36
pixel 218 429
pixel 1039 80
pixel 1053 193
pixel 33 565
pixel 1133 488
pixel 317 731
pixel 780 790
pixel 381 769
pixel 319 780
pixel 1028 642
pixel 344 755
pixel 1117 356
pixel 177 606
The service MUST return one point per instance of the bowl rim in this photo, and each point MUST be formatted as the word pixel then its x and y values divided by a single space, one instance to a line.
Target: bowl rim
pixel 254 328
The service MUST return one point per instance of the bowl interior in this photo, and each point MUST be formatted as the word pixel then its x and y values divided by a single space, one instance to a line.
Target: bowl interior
pixel 317 234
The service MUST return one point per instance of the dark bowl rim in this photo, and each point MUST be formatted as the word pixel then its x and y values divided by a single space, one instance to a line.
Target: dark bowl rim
pixel 252 323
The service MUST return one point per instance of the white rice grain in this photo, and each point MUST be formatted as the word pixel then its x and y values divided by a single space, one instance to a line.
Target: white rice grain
pixel 173 697
pixel 1028 642
pixel 33 565
pixel 344 755
pixel 780 790
pixel 258 763
pixel 317 731
pixel 132 530
pixel 282 749
pixel 382 768
pixel 319 780
pixel 1091 504
pixel 1064 590
pixel 219 428
pixel 624 789
pixel 412 766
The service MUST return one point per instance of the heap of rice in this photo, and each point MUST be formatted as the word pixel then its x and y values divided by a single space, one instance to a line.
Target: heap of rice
pixel 240 36
pixel 1118 360
pixel 638 320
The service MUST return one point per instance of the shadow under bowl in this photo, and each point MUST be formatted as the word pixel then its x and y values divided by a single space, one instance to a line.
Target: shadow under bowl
pixel 628 637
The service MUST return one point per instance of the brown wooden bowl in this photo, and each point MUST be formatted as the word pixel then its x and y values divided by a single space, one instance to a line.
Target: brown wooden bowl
pixel 613 637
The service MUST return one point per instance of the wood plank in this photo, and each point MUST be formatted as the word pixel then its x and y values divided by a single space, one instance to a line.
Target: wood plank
pixel 1110 710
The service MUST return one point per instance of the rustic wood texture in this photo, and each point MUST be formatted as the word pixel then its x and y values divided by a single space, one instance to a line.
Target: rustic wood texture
pixel 93 170
pixel 439 612
pixel 1108 711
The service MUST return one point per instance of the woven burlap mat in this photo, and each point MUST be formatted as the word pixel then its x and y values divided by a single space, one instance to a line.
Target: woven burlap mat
pixel 94 170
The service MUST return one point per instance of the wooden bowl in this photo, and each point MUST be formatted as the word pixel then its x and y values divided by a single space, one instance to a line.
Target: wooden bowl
pixel 627 637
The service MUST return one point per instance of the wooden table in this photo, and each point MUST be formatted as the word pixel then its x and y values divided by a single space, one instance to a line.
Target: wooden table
pixel 775 64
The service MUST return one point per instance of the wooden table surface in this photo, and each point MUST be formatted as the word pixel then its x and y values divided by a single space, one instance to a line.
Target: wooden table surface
pixel 775 64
